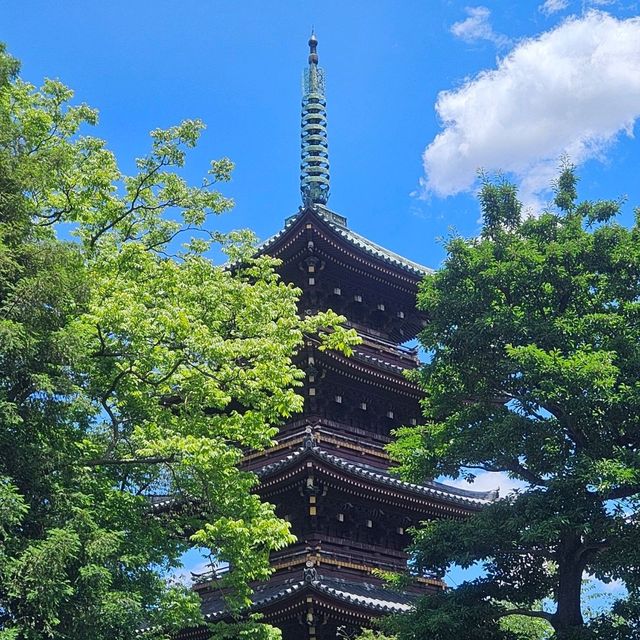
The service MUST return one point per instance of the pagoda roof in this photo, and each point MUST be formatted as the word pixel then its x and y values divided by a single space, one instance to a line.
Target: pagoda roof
pixel 379 370
pixel 433 489
pixel 375 598
pixel 338 224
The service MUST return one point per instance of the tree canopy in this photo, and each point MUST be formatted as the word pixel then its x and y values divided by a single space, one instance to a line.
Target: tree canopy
pixel 534 346
pixel 131 367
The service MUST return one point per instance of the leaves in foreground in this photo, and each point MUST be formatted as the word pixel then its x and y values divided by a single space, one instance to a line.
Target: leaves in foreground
pixel 534 337
pixel 131 366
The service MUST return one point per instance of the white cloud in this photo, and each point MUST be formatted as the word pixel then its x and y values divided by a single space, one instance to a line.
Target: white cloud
pixel 572 90
pixel 476 27
pixel 488 481
pixel 617 587
pixel 553 6
pixel 614 587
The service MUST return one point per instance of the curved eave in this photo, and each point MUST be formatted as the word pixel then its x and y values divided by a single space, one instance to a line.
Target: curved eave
pixel 352 245
pixel 339 598
pixel 373 599
pixel 375 371
pixel 160 504
pixel 432 493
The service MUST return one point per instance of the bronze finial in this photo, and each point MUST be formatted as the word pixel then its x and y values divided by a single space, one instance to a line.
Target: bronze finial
pixel 314 165
pixel 313 48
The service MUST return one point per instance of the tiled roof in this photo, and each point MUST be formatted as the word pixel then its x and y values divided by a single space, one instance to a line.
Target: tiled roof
pixel 355 239
pixel 378 362
pixel 161 502
pixel 433 489
pixel 375 598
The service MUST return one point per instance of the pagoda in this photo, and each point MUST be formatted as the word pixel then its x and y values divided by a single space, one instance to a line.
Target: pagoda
pixel 329 474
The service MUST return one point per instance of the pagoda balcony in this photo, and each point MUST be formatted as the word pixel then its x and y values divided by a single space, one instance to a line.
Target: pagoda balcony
pixel 351 441
pixel 341 554
pixel 334 554
pixel 392 361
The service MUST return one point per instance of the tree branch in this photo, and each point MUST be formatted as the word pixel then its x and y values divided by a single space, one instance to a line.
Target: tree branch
pixel 132 207
pixel 591 548
pixel 530 613
pixel 128 461
pixel 621 492
pixel 512 467
pixel 559 414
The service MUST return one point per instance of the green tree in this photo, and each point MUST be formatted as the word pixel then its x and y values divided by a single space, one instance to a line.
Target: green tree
pixel 534 343
pixel 130 366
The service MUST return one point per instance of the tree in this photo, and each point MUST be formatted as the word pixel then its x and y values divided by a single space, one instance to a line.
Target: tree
pixel 130 367
pixel 534 367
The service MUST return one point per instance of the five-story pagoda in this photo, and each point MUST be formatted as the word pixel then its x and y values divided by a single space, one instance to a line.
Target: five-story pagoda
pixel 329 473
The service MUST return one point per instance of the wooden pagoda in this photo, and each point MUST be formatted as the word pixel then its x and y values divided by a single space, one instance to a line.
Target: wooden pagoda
pixel 329 473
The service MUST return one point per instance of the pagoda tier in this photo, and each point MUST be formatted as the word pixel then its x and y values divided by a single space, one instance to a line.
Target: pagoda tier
pixel 329 474
pixel 324 494
pixel 338 269
pixel 367 390
pixel 351 521
pixel 310 604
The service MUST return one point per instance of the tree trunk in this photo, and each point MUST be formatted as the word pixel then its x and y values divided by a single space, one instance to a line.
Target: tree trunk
pixel 568 621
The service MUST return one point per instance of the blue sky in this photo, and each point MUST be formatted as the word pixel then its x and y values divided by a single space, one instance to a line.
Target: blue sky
pixel 421 93
pixel 237 65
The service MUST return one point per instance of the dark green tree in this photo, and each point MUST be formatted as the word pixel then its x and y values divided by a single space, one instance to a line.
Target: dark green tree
pixel 127 371
pixel 534 371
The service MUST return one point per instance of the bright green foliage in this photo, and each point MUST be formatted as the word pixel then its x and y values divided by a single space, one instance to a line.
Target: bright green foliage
pixel 127 371
pixel 370 634
pixel 534 335
pixel 246 629
pixel 526 627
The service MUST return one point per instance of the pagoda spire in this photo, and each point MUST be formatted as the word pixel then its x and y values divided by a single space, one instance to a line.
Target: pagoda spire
pixel 314 163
